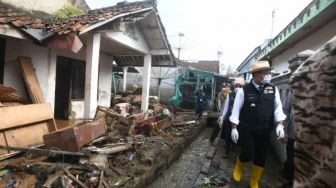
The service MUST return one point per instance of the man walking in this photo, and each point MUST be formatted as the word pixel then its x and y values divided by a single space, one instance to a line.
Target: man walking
pixel 200 102
pixel 256 108
pixel 223 120
pixel 221 103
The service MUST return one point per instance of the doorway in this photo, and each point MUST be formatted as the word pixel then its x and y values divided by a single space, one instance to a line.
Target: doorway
pixel 70 83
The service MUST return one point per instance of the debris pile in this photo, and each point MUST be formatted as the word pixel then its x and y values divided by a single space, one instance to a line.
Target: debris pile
pixel 112 150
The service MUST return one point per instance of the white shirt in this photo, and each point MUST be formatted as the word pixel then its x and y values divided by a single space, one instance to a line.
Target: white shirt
pixel 239 102
pixel 226 107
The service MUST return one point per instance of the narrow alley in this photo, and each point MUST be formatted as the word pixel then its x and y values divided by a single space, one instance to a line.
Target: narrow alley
pixel 167 94
pixel 187 170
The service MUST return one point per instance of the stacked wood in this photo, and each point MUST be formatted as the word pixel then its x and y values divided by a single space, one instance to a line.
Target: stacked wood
pixel 33 86
pixel 24 125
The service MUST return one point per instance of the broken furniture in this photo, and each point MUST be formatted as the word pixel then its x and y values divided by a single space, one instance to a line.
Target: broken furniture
pixel 75 137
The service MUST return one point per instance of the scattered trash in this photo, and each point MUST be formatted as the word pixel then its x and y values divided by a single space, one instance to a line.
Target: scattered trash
pixel 120 181
pixel 11 183
pixel 206 181
pixel 130 156
pixel 4 173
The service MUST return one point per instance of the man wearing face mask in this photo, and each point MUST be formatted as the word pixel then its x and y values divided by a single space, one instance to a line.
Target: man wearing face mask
pixel 223 120
pixel 257 107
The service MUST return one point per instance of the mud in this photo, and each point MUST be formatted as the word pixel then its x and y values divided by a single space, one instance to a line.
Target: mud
pixel 184 171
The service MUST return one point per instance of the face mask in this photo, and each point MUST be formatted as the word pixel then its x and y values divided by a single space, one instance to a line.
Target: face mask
pixel 267 78
pixel 236 89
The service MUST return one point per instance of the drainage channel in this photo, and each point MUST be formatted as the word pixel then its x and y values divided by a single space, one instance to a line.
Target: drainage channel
pixel 201 162
pixel 184 172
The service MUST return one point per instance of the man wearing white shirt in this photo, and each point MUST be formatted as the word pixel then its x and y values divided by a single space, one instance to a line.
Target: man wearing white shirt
pixel 257 107
pixel 223 120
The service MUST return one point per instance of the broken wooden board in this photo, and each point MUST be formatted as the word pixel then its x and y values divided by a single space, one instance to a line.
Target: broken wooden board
pixel 21 136
pixel 163 124
pixel 5 90
pixel 12 98
pixel 75 137
pixel 33 85
pixel 15 116
pixel 31 80
pixel 23 126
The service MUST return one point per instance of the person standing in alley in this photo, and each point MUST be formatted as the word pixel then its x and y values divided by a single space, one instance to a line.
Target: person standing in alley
pixel 200 102
pixel 223 120
pixel 256 109
pixel 222 97
pixel 221 100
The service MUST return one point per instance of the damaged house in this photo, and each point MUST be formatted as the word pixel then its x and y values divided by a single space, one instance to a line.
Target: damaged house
pixel 73 58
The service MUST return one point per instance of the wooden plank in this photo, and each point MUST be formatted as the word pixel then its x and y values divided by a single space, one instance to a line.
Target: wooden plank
pixel 31 80
pixel 27 136
pixel 4 90
pixel 24 114
pixel 12 98
pixel 3 143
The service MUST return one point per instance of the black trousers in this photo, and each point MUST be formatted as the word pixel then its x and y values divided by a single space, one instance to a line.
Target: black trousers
pixel 254 146
pixel 228 139
pixel 289 164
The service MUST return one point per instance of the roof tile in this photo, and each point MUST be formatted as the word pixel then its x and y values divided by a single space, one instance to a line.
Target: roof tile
pixel 72 24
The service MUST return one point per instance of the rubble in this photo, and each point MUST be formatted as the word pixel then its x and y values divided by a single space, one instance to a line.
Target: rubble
pixel 119 151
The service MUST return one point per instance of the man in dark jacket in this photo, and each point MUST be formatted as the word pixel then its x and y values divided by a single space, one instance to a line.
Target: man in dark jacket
pixel 256 107
pixel 200 102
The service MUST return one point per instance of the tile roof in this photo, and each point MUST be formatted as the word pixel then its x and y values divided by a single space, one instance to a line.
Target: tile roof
pixel 72 24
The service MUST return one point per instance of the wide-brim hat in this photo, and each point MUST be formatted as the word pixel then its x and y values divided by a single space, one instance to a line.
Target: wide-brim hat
pixel 260 66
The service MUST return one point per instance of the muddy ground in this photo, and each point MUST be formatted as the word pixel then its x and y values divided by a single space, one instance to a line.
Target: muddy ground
pixel 185 172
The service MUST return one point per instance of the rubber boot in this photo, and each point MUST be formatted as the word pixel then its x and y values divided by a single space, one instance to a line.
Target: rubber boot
pixel 255 176
pixel 238 170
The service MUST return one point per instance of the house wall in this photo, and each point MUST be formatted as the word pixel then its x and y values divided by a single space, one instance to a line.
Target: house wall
pixel 44 61
pixel 312 42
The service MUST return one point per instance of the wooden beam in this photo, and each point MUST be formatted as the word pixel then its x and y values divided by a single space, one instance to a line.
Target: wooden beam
pixel 31 80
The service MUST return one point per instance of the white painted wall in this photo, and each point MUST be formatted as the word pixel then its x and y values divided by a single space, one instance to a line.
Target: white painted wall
pixel 312 42
pixel 44 61
pixel 136 42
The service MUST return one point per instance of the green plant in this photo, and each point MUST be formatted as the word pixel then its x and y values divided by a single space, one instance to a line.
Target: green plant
pixel 67 12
